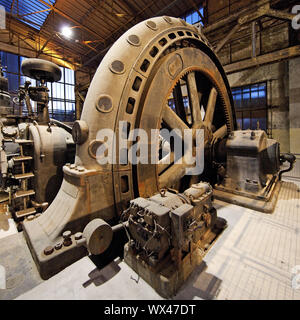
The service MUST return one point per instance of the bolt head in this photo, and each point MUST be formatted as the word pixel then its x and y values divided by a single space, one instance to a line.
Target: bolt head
pixel 58 246
pixel 78 235
pixel 66 234
pixel 48 250
pixel 67 242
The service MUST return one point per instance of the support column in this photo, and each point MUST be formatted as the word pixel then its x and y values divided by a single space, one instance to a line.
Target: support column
pixel 294 94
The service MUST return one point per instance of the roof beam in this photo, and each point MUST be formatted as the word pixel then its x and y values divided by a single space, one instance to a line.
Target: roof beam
pixel 128 6
pixel 44 45
pixel 281 15
pixel 197 9
pixel 262 11
pixel 172 4
pixel 22 39
pixel 263 59
pixel 71 19
pixel 22 19
pixel 257 14
pixel 12 6
pixel 28 14
pixel 123 25
pixel 234 17
pixel 261 8
pixel 227 38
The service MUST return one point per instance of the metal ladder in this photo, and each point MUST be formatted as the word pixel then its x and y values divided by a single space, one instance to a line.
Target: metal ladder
pixel 24 193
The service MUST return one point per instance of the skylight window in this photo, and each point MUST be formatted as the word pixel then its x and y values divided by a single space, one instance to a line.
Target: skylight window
pixel 193 17
pixel 30 12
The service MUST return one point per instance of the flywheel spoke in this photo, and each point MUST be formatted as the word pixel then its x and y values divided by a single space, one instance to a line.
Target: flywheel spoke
pixel 164 163
pixel 173 120
pixel 211 105
pixel 194 98
pixel 220 133
pixel 172 175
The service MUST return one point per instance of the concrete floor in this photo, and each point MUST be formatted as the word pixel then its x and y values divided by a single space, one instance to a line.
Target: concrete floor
pixel 255 258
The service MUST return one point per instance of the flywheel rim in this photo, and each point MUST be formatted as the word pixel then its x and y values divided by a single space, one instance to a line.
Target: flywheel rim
pixel 114 82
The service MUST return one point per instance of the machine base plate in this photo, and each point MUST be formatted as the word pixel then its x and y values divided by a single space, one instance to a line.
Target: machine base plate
pixel 247 202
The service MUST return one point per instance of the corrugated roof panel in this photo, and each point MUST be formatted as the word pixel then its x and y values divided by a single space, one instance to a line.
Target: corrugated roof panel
pixel 30 12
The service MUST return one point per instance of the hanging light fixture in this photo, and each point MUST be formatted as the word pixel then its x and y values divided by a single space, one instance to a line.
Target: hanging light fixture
pixel 66 32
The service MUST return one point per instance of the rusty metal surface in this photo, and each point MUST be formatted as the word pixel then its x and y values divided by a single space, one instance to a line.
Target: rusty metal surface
pixel 169 238
pixel 161 49
pixel 251 178
pixel 33 149
pixel 50 154
pixel 142 70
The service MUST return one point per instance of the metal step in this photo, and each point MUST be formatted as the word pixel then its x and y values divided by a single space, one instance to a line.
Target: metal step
pixel 25 212
pixel 23 193
pixel 22 158
pixel 23 141
pixel 26 175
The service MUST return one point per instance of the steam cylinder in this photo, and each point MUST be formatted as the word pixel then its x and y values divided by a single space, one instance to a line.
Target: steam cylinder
pixel 50 154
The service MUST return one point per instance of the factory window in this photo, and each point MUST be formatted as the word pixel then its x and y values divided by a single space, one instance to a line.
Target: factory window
pixel 10 63
pixel 193 17
pixel 62 98
pixel 61 94
pixel 251 106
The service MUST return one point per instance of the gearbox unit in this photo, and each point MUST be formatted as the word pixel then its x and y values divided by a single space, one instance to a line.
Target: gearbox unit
pixel 169 234
pixel 252 177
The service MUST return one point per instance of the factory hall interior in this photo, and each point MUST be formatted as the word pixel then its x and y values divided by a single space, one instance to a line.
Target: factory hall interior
pixel 149 150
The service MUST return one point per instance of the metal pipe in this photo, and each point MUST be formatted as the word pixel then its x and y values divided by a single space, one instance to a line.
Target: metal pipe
pixel 61 125
pixel 120 226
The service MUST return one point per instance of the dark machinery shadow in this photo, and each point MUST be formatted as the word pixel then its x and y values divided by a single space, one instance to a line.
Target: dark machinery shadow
pixel 106 267
pixel 100 276
pixel 200 284
pixel 53 185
